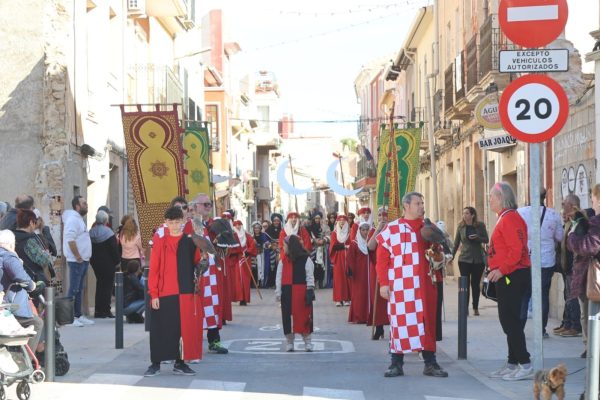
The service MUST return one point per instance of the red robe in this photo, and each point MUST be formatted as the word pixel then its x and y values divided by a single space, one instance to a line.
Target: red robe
pixel 339 259
pixel 239 262
pixel 427 291
pixel 304 238
pixel 359 283
pixel 176 327
pixel 381 315
pixel 296 316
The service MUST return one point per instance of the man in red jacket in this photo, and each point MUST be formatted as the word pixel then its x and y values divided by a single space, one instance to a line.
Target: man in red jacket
pixel 402 272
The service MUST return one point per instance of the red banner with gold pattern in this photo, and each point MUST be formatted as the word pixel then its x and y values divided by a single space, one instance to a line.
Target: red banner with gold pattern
pixel 154 158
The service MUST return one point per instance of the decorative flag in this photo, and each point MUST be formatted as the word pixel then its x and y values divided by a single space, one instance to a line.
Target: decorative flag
pixel 154 158
pixel 401 156
pixel 196 160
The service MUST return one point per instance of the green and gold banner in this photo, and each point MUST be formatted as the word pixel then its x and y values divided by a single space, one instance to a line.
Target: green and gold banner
pixel 401 157
pixel 196 161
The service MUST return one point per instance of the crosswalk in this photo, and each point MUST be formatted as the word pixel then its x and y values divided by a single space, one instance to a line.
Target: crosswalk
pixel 123 386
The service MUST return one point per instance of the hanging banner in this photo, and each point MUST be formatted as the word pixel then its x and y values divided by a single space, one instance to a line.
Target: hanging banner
pixel 403 156
pixel 154 158
pixel 196 161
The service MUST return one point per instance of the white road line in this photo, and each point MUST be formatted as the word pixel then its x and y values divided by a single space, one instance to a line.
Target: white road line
pixel 114 379
pixel 444 398
pixel 532 13
pixel 217 385
pixel 314 393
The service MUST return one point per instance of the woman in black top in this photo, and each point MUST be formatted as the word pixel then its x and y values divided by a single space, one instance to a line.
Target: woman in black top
pixel 471 234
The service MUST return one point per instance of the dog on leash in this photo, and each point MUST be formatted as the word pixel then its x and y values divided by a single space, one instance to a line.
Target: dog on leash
pixel 549 382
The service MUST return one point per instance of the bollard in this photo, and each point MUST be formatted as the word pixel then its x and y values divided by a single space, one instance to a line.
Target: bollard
pixel 49 323
pixel 147 313
pixel 463 309
pixel 119 310
pixel 593 357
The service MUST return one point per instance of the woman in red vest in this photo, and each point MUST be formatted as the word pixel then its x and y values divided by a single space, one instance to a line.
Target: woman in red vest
pixel 338 252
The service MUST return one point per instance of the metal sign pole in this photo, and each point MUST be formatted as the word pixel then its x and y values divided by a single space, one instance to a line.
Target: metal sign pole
pixel 536 265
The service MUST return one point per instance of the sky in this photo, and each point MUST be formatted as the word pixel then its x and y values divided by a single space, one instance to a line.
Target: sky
pixel 316 48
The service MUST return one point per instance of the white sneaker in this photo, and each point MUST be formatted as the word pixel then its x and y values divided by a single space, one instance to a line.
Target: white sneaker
pixel 338 303
pixel 520 374
pixel 77 323
pixel 507 369
pixel 85 321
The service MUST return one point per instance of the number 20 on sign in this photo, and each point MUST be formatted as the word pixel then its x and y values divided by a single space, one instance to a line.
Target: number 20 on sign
pixel 534 108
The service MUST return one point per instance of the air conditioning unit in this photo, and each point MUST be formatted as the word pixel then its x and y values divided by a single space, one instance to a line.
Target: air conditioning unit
pixel 136 7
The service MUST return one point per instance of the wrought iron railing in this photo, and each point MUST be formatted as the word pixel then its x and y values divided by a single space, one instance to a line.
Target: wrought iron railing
pixel 449 87
pixel 472 64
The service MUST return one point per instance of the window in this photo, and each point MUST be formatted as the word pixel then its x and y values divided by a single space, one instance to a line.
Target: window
pixel 212 117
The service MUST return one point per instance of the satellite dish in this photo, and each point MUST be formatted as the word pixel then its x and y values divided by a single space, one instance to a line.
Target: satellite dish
pixel 285 185
pixel 335 185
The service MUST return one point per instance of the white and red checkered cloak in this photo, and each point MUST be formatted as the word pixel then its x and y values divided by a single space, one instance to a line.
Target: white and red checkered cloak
pixel 398 266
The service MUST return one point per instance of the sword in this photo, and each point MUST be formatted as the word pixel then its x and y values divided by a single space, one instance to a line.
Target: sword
pixel 244 261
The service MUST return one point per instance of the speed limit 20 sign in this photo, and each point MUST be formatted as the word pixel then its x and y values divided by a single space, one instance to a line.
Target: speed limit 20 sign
pixel 534 108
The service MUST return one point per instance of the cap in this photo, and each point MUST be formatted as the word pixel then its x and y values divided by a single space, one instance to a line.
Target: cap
pixel 364 210
pixel 292 214
pixel 237 222
pixel 341 217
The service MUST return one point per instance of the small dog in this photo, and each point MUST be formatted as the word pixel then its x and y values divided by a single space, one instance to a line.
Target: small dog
pixel 548 382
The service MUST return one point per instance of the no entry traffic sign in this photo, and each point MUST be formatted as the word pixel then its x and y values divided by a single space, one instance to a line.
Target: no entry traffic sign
pixel 534 108
pixel 532 23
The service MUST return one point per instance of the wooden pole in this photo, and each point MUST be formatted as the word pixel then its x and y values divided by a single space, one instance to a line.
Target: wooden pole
pixel 343 184
pixel 293 182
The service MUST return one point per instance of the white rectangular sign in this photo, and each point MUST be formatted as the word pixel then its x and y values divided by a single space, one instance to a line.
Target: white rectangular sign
pixel 534 60
pixel 497 142
pixel 532 13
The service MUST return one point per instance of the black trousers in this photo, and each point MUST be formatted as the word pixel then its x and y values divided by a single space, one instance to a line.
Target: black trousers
pixel 511 290
pixel 428 357
pixel 438 316
pixel 212 335
pixel 105 281
pixel 473 273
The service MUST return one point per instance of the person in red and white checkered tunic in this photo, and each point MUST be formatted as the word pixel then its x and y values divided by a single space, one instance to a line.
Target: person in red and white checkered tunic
pixel 402 271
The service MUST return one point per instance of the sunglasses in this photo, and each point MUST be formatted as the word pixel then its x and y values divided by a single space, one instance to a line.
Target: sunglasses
pixel 209 204
pixel 183 207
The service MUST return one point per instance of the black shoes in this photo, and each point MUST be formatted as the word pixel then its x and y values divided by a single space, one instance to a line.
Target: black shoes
pixel 216 347
pixel 183 369
pixel 135 318
pixel 435 370
pixel 243 303
pixel 152 370
pixel 104 315
pixel 378 333
pixel 393 371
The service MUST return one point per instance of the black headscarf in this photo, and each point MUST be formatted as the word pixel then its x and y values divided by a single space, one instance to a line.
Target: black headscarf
pixel 315 228
pixel 274 231
pixel 329 223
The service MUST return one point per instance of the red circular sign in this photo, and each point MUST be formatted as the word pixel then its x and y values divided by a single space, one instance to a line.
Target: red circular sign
pixel 534 108
pixel 533 23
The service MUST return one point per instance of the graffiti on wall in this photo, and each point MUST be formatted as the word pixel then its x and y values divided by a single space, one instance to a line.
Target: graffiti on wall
pixel 575 181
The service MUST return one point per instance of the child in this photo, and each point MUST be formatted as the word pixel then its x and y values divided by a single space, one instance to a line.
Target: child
pixel 133 297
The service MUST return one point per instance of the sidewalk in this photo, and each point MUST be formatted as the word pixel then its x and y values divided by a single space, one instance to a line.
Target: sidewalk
pixel 487 349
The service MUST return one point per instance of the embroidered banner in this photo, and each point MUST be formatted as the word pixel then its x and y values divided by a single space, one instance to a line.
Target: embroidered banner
pixel 154 158
pixel 402 157
pixel 196 160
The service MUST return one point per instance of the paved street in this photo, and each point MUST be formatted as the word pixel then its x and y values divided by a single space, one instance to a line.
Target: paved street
pixel 345 365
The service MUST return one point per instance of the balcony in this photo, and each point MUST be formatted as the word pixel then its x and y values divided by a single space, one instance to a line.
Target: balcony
pixel 155 83
pixel 449 88
pixel 366 176
pixel 491 41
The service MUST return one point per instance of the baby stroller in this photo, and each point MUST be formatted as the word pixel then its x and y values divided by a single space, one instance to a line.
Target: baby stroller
pixel 17 361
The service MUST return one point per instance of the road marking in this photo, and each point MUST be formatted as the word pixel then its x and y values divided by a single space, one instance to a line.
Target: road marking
pixel 532 13
pixel 325 393
pixel 444 398
pixel 218 385
pixel 114 379
pixel 270 328
pixel 277 346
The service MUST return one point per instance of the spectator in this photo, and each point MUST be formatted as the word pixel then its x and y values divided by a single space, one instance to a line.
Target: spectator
pixel 584 241
pixel 11 271
pixel 44 234
pixel 133 293
pixel 470 237
pixel 509 265
pixel 77 249
pixel 37 261
pixel 571 324
pixel 9 221
pixel 105 258
pixel 551 233
pixel 131 242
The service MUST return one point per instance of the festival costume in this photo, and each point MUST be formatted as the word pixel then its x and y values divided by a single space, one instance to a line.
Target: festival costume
pixel 176 327
pixel 239 266
pixel 338 253
pixel 293 278
pixel 401 265
pixel 302 233
pixel 358 263
pixel 381 315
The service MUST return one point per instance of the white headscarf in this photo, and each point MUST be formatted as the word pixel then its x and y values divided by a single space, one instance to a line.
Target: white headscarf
pixel 342 233
pixel 362 242
pixel 241 234
pixel 291 230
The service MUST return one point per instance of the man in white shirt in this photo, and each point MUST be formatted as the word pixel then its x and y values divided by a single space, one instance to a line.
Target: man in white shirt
pixel 551 232
pixel 77 248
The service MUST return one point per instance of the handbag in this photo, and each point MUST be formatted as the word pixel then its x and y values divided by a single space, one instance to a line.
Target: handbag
pixel 593 280
pixel 488 289
pixel 64 313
